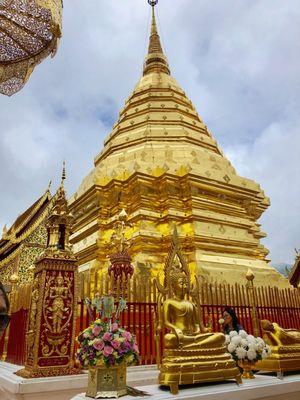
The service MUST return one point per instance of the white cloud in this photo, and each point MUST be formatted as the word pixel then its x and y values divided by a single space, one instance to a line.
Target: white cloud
pixel 238 60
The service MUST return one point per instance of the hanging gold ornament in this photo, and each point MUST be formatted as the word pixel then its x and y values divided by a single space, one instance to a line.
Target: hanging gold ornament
pixel 29 32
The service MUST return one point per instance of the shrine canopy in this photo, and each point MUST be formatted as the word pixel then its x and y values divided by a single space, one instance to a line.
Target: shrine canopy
pixel 29 32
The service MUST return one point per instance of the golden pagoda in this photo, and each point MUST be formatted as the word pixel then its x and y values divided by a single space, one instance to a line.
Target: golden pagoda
pixel 161 164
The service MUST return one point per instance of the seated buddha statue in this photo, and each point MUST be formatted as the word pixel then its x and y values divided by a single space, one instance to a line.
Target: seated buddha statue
pixel 191 354
pixel 285 347
pixel 180 316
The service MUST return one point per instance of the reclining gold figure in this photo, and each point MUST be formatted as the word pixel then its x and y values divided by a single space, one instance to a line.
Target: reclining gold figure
pixel 191 353
pixel 285 346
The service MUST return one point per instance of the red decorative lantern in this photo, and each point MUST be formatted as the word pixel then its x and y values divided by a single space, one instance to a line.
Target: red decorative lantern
pixel 121 266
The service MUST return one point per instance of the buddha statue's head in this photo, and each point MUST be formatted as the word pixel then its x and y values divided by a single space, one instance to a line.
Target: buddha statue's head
pixel 178 279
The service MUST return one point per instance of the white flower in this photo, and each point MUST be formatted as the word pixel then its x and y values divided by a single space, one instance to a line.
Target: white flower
pixel 264 354
pixel 252 346
pixel 244 343
pixel 233 333
pixel 236 340
pixel 231 347
pixel 251 338
pixel 241 352
pixel 251 355
pixel 227 339
pixel 243 334
pixel 260 346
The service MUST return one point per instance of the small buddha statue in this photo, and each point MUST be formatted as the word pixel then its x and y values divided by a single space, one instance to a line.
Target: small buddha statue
pixel 191 353
pixel 285 347
pixel 278 336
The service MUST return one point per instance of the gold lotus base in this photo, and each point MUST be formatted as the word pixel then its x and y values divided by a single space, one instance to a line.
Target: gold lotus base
pixel 185 367
pixel 247 367
pixel 107 382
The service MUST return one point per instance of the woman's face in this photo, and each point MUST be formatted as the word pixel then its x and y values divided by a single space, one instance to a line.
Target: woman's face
pixel 227 318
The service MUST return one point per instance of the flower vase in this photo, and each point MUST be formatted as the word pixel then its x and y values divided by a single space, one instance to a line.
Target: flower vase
pixel 247 367
pixel 107 382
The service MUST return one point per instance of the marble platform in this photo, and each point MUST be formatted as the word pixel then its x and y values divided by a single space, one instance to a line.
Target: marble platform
pixel 13 387
pixel 263 387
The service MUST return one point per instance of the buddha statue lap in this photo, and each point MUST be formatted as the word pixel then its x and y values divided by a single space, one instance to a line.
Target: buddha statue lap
pixel 191 353
pixel 285 346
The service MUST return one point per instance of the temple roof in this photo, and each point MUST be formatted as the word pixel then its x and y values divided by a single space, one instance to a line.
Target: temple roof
pixel 294 275
pixel 23 226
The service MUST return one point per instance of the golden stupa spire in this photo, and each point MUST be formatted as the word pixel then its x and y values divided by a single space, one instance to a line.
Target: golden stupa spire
pixel 155 61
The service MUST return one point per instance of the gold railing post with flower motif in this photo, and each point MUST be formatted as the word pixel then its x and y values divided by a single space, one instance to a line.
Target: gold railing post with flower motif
pixel 250 288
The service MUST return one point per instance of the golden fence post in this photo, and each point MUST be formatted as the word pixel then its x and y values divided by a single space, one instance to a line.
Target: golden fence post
pixel 14 279
pixel 250 287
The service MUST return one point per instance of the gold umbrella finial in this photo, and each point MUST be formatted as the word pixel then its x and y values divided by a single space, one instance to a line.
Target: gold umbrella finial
pixel 152 2
pixel 63 173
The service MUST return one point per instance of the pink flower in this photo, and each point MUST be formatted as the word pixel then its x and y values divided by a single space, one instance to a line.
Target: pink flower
pixel 126 335
pixel 116 344
pixel 97 329
pixel 98 345
pixel 108 350
pixel 114 327
pixel 106 336
pixel 135 348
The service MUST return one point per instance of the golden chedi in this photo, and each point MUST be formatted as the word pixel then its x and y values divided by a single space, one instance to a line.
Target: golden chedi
pixel 29 32
pixel 162 164
pixel 191 353
pixel 285 346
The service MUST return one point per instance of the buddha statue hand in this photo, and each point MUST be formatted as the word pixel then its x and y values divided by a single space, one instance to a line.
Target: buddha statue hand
pixel 180 337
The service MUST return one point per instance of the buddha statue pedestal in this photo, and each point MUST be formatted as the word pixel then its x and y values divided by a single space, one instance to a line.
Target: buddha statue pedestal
pixel 191 354
pixel 184 367
pixel 285 346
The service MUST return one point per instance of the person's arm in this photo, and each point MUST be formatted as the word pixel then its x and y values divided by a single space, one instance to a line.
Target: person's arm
pixel 4 305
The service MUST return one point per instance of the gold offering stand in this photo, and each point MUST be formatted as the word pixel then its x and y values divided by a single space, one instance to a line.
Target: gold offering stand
pixel 187 353
pixel 106 382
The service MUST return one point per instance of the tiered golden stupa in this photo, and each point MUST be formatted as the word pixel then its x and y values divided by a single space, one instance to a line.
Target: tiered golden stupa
pixel 163 166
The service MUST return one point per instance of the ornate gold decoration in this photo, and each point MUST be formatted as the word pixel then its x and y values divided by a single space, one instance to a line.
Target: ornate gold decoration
pixel 285 346
pixel 150 166
pixel 247 367
pixel 29 32
pixel 191 353
pixel 105 382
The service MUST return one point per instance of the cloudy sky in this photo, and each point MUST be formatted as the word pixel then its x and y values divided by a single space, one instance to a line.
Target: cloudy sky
pixel 238 61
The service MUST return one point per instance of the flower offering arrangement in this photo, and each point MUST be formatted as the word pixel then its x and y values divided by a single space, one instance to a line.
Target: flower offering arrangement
pixel 105 343
pixel 246 347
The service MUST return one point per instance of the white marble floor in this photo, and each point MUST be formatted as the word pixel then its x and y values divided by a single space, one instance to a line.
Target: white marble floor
pixel 263 387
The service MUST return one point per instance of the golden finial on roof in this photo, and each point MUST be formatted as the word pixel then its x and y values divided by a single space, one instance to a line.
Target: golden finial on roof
pixel 4 232
pixel 155 61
